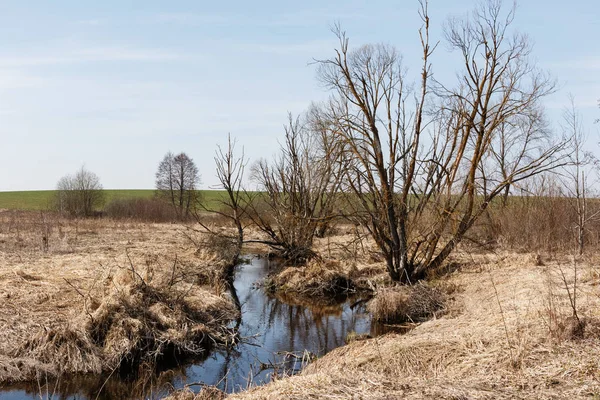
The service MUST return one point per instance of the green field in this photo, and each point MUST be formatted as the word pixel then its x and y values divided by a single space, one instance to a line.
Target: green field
pixel 43 199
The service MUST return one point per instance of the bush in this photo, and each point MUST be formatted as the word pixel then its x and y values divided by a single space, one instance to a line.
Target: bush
pixel 141 209
pixel 79 195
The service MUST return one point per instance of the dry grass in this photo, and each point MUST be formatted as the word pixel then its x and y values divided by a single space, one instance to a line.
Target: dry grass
pixel 407 303
pixel 347 263
pixel 95 293
pixel 498 347
pixel 207 393
pixel 315 279
pixel 513 337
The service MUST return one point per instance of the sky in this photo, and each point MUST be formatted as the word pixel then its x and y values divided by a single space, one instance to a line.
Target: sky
pixel 115 85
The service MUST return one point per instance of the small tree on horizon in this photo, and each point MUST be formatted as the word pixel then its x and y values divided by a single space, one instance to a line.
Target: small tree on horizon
pixel 177 181
pixel 79 195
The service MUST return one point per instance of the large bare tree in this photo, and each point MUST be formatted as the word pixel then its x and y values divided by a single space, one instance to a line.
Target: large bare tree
pixel 177 181
pixel 422 172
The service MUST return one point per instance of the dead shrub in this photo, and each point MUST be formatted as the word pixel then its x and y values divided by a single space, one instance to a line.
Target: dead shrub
pixel 218 247
pixel 407 303
pixel 560 312
pixel 137 322
pixel 141 209
pixel 147 320
pixel 535 223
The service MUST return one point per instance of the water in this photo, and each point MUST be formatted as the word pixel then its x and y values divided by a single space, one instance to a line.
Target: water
pixel 276 334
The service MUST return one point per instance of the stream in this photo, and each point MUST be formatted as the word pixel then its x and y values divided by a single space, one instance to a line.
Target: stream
pixel 277 337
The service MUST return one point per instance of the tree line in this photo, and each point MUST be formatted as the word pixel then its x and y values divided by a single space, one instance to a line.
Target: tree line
pixel 177 181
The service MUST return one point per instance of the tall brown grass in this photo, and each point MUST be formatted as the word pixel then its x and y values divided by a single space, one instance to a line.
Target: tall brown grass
pixel 535 224
pixel 407 303
pixel 141 209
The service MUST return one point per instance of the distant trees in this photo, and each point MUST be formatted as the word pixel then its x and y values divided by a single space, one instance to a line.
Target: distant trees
pixel 177 181
pixel 79 195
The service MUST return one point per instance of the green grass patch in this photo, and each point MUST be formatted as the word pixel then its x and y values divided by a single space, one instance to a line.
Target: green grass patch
pixel 43 199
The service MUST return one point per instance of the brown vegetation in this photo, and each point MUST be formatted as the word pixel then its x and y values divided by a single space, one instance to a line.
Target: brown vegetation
pixel 97 295
pixel 407 303
pixel 317 279
pixel 207 393
pixel 141 209
pixel 497 346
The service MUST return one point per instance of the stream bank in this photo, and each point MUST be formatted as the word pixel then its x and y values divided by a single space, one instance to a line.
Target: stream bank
pixel 277 338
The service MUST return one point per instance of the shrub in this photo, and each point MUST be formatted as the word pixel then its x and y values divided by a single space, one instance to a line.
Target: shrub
pixel 142 209
pixel 79 195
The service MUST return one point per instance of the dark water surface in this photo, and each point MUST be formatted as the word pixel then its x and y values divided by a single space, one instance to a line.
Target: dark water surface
pixel 276 335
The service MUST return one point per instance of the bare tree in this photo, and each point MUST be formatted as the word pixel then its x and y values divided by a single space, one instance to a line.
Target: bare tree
pixel 512 145
pixel 575 181
pixel 79 195
pixel 420 175
pixel 177 181
pixel 299 187
pixel 230 168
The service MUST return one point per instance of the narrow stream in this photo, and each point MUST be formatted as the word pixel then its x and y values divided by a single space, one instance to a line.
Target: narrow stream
pixel 276 336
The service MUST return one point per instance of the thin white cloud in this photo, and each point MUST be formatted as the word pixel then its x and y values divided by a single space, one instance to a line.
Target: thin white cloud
pixel 126 54
pixel 587 63
pixel 194 19
pixel 303 18
pixel 582 101
pixel 13 79
pixel 84 55
pixel 309 48
pixel 91 22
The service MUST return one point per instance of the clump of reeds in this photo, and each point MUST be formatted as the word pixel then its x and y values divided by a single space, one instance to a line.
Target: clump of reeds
pixel 316 279
pixel 141 319
pixel 70 348
pixel 407 303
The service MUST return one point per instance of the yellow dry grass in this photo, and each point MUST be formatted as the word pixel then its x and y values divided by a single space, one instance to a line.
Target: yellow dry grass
pixel 500 344
pixel 64 281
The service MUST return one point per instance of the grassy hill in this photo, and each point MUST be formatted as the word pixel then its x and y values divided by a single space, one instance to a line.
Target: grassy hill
pixel 42 199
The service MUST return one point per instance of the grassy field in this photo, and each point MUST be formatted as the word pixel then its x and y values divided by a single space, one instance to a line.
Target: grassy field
pixel 42 199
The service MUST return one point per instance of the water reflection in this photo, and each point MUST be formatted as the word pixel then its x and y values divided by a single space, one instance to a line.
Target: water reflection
pixel 276 333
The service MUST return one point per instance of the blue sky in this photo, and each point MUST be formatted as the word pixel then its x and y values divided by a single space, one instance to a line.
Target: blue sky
pixel 115 84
